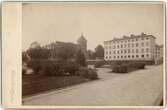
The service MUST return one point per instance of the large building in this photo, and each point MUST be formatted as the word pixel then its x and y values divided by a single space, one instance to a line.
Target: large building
pixel 134 47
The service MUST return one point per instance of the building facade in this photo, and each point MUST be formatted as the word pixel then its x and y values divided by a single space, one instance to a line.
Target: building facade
pixel 134 47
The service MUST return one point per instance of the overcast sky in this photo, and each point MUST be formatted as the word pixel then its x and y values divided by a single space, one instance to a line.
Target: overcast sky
pixel 49 22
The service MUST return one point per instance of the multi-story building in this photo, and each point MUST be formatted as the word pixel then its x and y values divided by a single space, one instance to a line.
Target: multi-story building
pixel 159 51
pixel 134 47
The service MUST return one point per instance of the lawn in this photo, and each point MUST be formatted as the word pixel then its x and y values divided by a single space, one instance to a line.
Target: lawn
pixel 33 84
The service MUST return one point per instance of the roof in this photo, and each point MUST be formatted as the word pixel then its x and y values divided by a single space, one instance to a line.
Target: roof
pixel 132 36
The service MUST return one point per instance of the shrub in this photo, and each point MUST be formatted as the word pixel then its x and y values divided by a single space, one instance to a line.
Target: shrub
pixel 70 67
pixel 120 69
pixel 98 64
pixel 137 65
pixel 23 71
pixel 36 65
pixel 141 65
pixel 92 74
pixel 50 67
pixel 87 73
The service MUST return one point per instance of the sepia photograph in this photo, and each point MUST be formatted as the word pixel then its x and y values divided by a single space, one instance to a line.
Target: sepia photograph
pixel 93 54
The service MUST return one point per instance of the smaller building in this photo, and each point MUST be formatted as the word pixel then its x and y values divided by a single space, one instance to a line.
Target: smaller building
pixel 159 54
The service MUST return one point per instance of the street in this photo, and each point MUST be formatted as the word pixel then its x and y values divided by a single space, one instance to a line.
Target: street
pixel 137 88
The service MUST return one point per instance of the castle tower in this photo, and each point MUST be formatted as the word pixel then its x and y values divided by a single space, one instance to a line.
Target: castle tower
pixel 82 42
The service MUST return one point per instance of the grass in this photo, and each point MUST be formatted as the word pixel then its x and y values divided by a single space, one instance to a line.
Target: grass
pixel 33 84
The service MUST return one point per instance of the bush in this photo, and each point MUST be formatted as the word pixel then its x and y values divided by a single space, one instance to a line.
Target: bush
pixel 120 69
pixel 141 65
pixel 98 64
pixel 36 65
pixel 87 73
pixel 70 67
pixel 50 67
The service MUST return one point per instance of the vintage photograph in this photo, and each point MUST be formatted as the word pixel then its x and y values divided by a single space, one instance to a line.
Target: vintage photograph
pixel 93 53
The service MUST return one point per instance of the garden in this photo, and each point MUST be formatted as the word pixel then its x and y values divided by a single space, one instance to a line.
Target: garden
pixel 61 66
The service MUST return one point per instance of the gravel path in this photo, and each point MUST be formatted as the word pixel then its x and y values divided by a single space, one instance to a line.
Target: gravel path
pixel 142 87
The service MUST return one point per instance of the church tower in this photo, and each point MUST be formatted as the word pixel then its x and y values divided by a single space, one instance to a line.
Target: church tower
pixel 82 42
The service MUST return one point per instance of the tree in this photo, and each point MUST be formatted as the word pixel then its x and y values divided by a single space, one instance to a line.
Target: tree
pixel 25 57
pixel 90 54
pixel 80 58
pixel 66 51
pixel 99 52
pixel 38 53
pixel 35 45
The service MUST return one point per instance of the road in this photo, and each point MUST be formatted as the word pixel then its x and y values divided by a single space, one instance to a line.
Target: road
pixel 142 87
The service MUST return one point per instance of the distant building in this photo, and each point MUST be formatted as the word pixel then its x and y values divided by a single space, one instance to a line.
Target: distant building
pixel 159 54
pixel 82 43
pixel 134 47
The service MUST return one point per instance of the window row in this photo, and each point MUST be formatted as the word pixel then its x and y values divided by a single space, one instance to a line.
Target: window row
pixel 127 51
pixel 127 45
pixel 128 56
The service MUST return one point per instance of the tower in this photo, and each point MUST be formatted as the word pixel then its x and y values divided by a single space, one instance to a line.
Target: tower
pixel 82 42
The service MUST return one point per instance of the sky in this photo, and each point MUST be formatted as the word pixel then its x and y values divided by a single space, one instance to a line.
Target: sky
pixel 98 21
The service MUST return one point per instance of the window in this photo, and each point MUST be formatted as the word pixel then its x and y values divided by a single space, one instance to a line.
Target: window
pixel 132 50
pixel 136 50
pixel 128 56
pixel 125 56
pixel 147 43
pixel 110 53
pixel 121 46
pixel 128 40
pixel 113 52
pixel 117 56
pixel 114 57
pixel 147 49
pixel 147 55
pixel 142 44
pixel 142 50
pixel 117 46
pixel 142 56
pixel 136 44
pixel 117 52
pixel 124 45
pixel 147 38
pixel 109 56
pixel 132 40
pixel 121 56
pixel 121 51
pixel 137 56
pixel 136 39
pixel 142 38
pixel 124 51
pixel 128 50
pixel 106 53
pixel 132 56
pixel 106 57
pixel 132 45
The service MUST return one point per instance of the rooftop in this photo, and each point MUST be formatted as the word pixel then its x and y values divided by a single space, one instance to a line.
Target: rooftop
pixel 130 37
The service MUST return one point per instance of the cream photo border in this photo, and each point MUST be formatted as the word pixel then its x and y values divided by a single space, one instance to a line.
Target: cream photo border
pixel 12 63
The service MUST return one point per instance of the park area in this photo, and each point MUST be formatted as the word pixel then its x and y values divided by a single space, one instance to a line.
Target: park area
pixel 137 88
